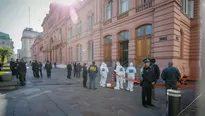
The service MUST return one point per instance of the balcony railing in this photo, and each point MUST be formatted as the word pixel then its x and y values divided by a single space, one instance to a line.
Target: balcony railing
pixel 144 6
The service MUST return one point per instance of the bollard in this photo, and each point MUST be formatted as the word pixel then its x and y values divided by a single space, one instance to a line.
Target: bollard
pixel 174 102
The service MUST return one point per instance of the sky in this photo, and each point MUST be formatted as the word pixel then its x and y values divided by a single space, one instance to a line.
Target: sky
pixel 14 17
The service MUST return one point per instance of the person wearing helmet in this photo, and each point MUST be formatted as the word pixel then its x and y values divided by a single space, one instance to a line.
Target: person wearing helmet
pixel 131 71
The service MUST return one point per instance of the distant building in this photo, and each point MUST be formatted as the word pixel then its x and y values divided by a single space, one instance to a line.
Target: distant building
pixel 6 41
pixel 37 49
pixel 28 37
pixel 19 56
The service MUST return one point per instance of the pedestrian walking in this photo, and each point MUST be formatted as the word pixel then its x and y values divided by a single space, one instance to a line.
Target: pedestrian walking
pixel 75 69
pixel 171 76
pixel 156 70
pixel 131 71
pixel 36 69
pixel 93 70
pixel 69 69
pixel 103 74
pixel 40 69
pixel 16 68
pixel 85 74
pixel 55 64
pixel 22 72
pixel 147 82
pixel 48 68
pixel 120 71
pixel 79 67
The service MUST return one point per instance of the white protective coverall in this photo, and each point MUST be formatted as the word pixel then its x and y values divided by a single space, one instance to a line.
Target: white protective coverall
pixel 100 73
pixel 131 71
pixel 119 80
pixel 103 72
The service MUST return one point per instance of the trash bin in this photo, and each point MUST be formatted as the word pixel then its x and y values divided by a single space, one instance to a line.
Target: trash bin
pixel 174 102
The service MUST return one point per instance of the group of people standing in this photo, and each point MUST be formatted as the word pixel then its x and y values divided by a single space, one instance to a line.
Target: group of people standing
pixel 19 69
pixel 37 69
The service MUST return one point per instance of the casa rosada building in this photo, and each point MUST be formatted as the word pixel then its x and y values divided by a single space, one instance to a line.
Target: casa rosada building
pixel 124 30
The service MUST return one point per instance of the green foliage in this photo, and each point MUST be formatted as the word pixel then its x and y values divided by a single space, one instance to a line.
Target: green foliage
pixel 5 52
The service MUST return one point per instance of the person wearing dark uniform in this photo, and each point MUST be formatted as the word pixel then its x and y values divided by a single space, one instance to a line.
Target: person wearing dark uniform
pixel 48 68
pixel 170 75
pixel 78 70
pixel 33 65
pixel 85 74
pixel 69 69
pixel 40 65
pixel 16 68
pixel 93 70
pixel 22 72
pixel 147 82
pixel 75 69
pixel 36 68
pixel 156 70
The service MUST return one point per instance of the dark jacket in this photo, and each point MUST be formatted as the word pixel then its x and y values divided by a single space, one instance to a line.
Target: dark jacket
pixel 93 70
pixel 170 74
pixel 34 66
pixel 48 66
pixel 85 71
pixel 78 67
pixel 156 71
pixel 22 67
pixel 148 77
pixel 69 67
pixel 74 66
pixel 40 65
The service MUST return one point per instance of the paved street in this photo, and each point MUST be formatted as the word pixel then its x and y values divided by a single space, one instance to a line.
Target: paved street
pixel 60 96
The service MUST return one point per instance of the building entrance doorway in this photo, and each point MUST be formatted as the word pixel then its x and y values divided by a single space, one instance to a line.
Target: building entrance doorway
pixel 123 52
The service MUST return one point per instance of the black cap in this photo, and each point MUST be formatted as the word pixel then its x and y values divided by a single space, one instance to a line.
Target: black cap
pixel 146 60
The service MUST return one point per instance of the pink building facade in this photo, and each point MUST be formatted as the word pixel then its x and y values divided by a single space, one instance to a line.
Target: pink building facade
pixel 124 30
pixel 37 50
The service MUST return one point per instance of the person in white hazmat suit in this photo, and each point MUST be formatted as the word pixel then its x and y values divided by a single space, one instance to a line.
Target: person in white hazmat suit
pixel 119 80
pixel 100 73
pixel 103 72
pixel 131 71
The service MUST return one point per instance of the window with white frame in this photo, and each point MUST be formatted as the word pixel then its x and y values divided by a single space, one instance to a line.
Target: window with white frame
pixel 78 29
pixel 108 11
pixel 70 33
pixel 90 50
pixel 187 6
pixel 91 21
pixel 123 6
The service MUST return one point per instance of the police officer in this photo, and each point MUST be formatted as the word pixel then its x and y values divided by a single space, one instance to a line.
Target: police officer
pixel 147 82
pixel 93 70
pixel 69 69
pixel 170 75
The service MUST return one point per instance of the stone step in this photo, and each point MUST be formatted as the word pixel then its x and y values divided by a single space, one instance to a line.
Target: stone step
pixel 7 76
pixel 8 83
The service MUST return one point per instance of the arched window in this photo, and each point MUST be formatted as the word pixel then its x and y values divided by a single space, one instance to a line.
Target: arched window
pixel 91 21
pixel 90 50
pixel 143 43
pixel 124 35
pixel 79 53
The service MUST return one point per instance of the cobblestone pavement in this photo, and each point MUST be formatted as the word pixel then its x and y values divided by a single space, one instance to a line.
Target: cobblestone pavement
pixel 59 96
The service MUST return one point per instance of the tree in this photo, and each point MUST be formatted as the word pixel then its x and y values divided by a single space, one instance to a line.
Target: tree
pixel 5 52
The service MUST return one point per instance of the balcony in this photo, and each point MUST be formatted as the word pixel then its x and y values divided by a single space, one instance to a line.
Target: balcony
pixel 144 6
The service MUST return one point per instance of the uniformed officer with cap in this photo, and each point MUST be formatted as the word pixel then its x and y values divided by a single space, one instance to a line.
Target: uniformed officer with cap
pixel 147 82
